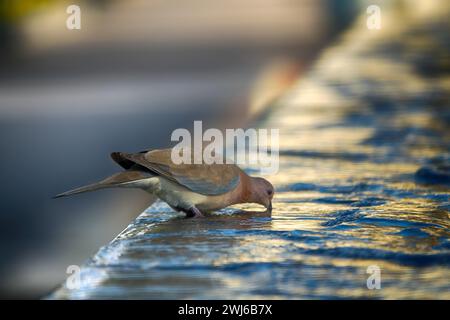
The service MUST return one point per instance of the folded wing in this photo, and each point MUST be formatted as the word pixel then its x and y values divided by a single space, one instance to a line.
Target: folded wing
pixel 207 179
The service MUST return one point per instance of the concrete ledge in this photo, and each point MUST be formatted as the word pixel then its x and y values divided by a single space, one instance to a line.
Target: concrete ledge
pixel 354 132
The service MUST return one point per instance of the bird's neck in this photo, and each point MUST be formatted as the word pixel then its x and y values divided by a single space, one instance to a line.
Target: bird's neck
pixel 246 192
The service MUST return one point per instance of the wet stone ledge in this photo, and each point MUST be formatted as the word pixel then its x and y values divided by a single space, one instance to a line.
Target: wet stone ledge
pixel 363 181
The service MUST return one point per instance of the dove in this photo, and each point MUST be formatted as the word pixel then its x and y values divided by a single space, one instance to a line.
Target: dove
pixel 190 188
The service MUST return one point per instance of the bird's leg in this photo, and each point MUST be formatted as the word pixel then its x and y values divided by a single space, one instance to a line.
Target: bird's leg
pixel 193 212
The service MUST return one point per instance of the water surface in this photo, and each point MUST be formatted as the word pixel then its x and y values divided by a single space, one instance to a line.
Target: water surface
pixel 364 181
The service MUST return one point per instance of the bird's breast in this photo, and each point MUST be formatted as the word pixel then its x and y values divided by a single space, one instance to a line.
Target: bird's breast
pixel 176 195
pixel 179 196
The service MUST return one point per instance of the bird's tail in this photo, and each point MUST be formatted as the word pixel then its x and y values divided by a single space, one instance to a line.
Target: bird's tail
pixel 90 187
pixel 120 179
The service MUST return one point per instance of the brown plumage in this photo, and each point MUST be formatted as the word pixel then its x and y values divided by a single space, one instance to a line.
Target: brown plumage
pixel 191 188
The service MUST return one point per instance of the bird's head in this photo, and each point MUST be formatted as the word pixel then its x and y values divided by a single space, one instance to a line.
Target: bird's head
pixel 262 192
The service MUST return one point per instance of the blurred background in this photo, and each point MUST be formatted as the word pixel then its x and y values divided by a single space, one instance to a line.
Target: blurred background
pixel 135 71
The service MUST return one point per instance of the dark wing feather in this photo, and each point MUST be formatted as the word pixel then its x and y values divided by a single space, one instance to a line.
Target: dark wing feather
pixel 213 179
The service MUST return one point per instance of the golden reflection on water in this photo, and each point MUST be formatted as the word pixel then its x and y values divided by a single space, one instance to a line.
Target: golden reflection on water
pixel 346 198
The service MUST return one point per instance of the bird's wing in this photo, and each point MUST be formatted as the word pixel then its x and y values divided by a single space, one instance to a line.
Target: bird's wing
pixel 207 179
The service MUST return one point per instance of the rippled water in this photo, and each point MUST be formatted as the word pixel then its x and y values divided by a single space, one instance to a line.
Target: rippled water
pixel 364 180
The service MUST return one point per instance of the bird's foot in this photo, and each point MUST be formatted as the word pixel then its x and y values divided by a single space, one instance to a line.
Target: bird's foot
pixel 193 212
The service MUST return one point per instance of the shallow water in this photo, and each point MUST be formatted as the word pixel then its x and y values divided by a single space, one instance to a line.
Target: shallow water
pixel 364 181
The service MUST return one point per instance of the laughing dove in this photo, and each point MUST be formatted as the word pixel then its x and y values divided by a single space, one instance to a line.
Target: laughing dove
pixel 190 188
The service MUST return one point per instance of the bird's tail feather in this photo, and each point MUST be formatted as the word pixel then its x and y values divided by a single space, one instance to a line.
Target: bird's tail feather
pixel 90 187
pixel 116 180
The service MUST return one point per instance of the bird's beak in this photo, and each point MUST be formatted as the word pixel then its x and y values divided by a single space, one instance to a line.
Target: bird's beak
pixel 269 208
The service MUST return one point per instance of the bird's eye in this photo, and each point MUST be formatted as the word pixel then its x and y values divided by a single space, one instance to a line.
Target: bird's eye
pixel 269 192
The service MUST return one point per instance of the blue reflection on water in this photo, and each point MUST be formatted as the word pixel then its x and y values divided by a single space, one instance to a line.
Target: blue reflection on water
pixel 363 181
